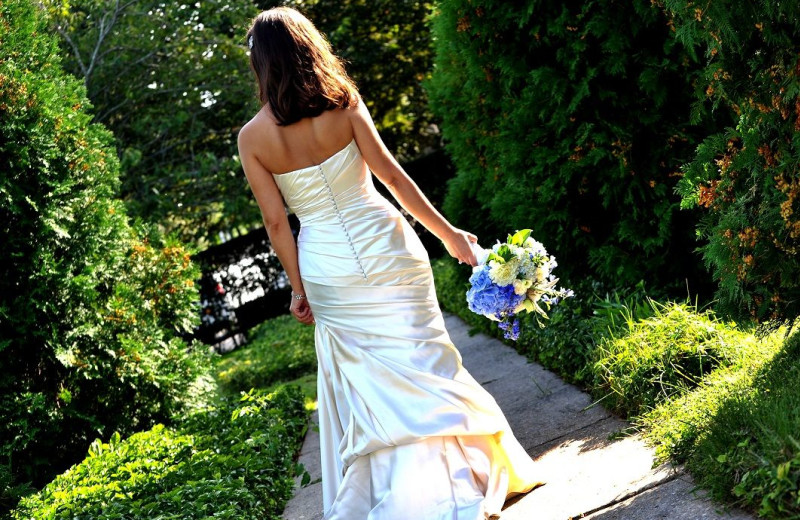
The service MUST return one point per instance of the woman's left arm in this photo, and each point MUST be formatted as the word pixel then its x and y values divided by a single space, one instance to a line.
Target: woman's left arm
pixel 404 189
pixel 270 201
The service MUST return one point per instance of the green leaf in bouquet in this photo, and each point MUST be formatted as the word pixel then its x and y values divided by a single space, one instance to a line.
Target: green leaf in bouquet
pixel 519 237
pixel 505 252
pixel 497 258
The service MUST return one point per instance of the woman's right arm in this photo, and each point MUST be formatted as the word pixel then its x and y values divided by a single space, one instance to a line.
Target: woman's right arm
pixel 275 220
pixel 381 162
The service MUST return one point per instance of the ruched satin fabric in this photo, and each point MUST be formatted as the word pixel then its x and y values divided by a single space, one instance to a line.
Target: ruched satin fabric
pixel 405 431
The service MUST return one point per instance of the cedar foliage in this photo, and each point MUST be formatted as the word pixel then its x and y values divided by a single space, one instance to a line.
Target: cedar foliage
pixel 91 308
pixel 570 118
pixel 746 177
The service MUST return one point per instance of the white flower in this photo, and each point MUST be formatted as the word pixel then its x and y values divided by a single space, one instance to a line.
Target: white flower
pixel 522 286
pixel 535 247
pixel 541 273
pixel 505 273
pixel 527 267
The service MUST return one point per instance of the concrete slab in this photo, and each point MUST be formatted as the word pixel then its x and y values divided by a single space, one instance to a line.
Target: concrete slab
pixel 585 472
pixel 539 412
pixel 306 504
pixel 309 454
pixel 674 500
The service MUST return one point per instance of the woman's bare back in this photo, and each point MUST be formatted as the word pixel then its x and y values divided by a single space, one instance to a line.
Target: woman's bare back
pixel 304 143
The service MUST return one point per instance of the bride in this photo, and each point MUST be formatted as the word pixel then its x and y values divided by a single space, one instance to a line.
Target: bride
pixel 405 431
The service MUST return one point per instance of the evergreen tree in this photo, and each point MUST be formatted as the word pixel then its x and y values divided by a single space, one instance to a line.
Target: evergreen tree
pixel 570 118
pixel 91 308
pixel 746 177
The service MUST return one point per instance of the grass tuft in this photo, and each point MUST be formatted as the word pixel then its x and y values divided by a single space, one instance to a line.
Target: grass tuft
pixel 662 357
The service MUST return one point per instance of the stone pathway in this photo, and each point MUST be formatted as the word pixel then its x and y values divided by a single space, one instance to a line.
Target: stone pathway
pixel 588 476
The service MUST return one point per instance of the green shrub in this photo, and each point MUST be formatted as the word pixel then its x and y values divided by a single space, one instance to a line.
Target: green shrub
pixel 659 358
pixel 92 309
pixel 570 119
pixel 576 325
pixel 235 461
pixel 746 176
pixel 279 349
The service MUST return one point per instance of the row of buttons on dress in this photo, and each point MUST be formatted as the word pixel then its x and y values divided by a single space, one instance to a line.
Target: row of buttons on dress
pixel 341 221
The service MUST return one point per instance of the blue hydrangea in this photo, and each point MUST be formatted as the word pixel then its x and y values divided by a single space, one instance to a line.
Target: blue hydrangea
pixel 489 299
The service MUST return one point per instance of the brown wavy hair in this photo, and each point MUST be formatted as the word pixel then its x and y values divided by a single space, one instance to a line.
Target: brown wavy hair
pixel 297 73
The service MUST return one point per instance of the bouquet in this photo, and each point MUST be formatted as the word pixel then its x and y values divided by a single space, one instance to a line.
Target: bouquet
pixel 513 277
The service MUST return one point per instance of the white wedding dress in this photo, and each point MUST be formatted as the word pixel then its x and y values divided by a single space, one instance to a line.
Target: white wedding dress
pixel 405 431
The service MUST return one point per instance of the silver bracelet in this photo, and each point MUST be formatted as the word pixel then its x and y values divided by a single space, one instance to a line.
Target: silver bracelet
pixel 298 296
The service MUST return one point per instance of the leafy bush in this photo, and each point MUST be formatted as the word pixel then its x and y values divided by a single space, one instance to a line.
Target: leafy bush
pixel 657 359
pixel 279 349
pixel 235 461
pixel 92 309
pixel 571 119
pixel 746 176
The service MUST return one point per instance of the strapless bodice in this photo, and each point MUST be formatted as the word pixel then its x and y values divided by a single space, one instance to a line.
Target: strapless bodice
pixel 347 229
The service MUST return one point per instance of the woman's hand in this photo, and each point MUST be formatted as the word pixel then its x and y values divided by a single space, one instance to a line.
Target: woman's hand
pixel 301 310
pixel 459 245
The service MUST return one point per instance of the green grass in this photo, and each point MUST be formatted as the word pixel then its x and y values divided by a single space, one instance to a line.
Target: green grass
pixel 750 451
pixel 657 359
pixel 278 350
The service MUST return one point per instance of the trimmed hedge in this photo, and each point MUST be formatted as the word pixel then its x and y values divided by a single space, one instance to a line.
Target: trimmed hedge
pixel 235 461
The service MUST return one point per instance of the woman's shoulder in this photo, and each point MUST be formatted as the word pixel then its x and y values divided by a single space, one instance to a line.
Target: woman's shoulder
pixel 257 125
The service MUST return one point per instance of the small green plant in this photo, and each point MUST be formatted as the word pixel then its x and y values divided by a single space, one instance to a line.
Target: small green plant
pixel 279 349
pixel 659 358
pixel 232 461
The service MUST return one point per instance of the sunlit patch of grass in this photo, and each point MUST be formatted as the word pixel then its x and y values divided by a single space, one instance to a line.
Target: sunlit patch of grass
pixel 278 350
pixel 657 359
pixel 307 384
